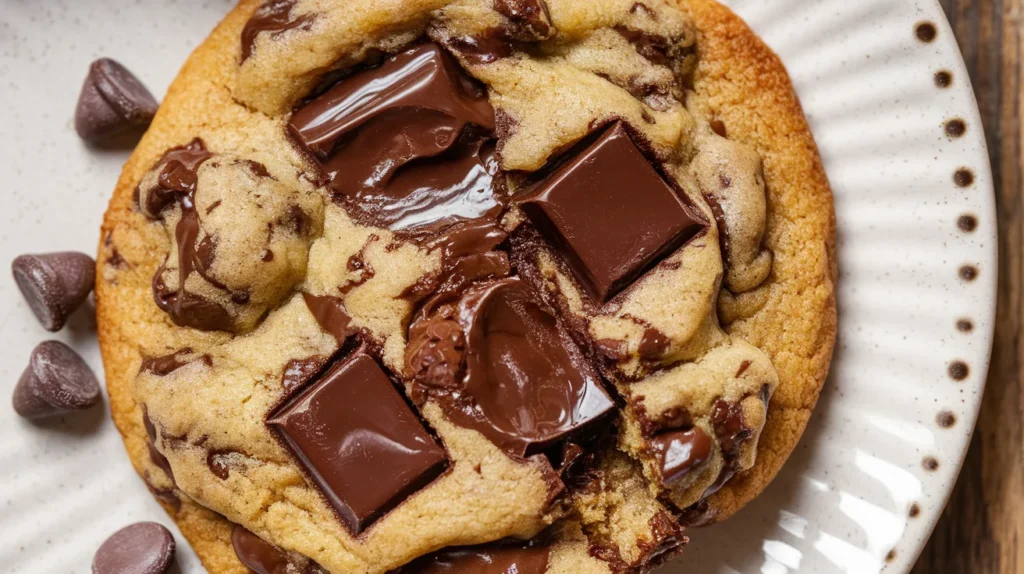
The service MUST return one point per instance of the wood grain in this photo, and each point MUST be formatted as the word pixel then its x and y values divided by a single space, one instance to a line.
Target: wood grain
pixel 982 527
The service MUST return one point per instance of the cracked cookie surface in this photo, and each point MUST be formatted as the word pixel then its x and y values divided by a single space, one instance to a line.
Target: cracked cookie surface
pixel 260 261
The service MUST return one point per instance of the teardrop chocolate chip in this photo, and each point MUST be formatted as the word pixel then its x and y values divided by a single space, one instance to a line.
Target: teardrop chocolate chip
pixel 54 284
pixel 140 548
pixel 112 103
pixel 57 381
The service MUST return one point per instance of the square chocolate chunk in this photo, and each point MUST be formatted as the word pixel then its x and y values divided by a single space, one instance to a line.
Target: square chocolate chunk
pixel 359 441
pixel 610 213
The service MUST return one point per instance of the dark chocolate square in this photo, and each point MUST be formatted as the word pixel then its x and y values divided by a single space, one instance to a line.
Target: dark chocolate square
pixel 359 441
pixel 609 213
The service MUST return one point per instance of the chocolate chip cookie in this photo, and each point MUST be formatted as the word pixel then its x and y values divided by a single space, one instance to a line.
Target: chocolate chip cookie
pixel 475 285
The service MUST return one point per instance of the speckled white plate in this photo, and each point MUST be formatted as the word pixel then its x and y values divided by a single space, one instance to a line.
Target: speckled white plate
pixel 888 98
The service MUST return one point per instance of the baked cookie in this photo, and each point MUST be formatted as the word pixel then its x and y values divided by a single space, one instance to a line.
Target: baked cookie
pixel 424 285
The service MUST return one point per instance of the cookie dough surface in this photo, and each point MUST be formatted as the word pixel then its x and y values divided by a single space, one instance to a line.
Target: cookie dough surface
pixel 232 270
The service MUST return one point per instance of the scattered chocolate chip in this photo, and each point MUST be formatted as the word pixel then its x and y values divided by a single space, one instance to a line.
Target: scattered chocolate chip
pixel 926 32
pixel 359 441
pixel 943 78
pixel 56 381
pixel 141 548
pixel 54 284
pixel 113 102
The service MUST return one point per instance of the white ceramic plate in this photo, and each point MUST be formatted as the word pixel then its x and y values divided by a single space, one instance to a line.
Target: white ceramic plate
pixel 864 488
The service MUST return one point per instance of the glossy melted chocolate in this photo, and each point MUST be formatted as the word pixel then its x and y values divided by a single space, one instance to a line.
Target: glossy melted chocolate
pixel 502 364
pixel 496 558
pixel 407 145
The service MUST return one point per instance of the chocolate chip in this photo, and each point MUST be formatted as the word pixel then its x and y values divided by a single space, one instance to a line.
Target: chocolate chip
pixel 255 554
pixel 56 381
pixel 54 284
pixel 141 548
pixel 113 102
pixel 518 557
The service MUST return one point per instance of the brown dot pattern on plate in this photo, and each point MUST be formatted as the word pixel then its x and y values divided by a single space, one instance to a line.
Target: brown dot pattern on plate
pixel 890 556
pixel 915 510
pixel 943 78
pixel 958 370
pixel 967 223
pixel 963 177
pixel 945 419
pixel 968 272
pixel 930 463
pixel 956 128
pixel 926 32
pixel 965 325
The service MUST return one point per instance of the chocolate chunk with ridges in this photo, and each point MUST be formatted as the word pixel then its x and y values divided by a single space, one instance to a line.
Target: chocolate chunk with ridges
pixel 609 212
pixel 678 452
pixel 54 284
pixel 359 441
pixel 55 382
pixel 513 373
pixel 113 102
pixel 141 548
pixel 275 18
pixel 494 558
pixel 406 145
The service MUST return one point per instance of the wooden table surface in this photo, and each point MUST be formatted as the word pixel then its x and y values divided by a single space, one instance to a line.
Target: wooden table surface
pixel 982 528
